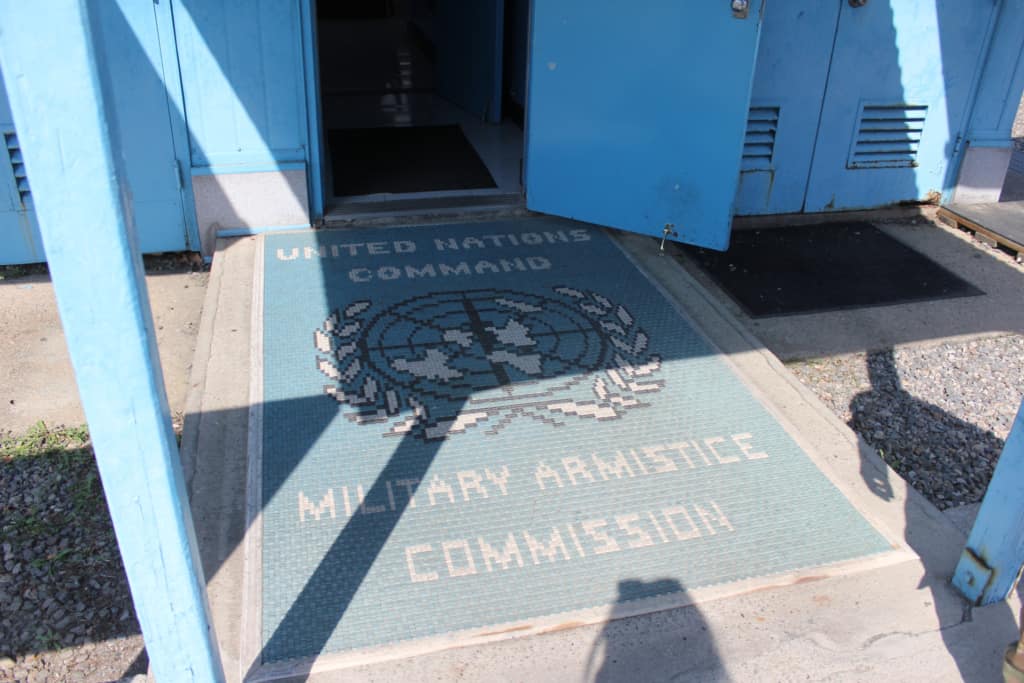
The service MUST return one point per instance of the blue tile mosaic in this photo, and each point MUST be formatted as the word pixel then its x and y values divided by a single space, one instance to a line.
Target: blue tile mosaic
pixel 467 425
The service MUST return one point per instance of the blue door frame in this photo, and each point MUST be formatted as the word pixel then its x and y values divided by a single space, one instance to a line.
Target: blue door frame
pixel 316 182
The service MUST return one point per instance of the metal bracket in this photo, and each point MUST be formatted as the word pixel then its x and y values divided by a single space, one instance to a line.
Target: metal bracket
pixel 972 576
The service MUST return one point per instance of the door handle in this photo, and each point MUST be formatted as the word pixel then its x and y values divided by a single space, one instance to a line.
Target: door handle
pixel 741 8
pixel 858 3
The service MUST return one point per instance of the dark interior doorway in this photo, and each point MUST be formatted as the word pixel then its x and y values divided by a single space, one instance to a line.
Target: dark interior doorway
pixel 422 98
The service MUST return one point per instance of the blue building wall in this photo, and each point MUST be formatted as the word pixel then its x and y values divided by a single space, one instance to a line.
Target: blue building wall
pixel 859 107
pixel 218 109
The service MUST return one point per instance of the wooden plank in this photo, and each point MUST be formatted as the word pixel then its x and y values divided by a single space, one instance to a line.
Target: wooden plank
pixel 999 234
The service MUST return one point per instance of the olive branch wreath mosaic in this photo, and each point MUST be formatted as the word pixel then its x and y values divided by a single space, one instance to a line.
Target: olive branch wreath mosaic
pixel 440 364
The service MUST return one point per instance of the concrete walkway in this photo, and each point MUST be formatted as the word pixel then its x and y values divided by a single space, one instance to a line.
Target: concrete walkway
pixel 36 380
pixel 901 621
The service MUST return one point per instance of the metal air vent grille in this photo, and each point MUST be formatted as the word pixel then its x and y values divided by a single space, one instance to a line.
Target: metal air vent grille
pixel 759 142
pixel 17 166
pixel 887 136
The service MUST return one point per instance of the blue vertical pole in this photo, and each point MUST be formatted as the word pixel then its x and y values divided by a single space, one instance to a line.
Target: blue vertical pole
pixel 991 563
pixel 62 110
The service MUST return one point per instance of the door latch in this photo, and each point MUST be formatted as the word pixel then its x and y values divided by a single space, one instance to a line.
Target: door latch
pixel 741 8
pixel 665 234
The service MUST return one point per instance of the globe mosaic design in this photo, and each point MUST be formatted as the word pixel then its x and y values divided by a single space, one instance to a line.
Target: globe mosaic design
pixel 442 363
pixel 482 343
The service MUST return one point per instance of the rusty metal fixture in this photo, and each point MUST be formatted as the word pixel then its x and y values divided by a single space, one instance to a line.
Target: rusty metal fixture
pixel 740 8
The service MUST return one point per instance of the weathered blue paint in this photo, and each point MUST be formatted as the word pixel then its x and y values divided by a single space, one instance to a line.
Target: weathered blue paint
pixel 63 104
pixel 20 241
pixel 635 118
pixel 242 76
pixel 992 561
pixel 792 69
pixel 179 126
pixel 920 53
pixel 314 129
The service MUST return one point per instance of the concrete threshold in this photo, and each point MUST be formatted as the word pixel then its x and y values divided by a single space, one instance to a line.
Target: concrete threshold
pixel 899 620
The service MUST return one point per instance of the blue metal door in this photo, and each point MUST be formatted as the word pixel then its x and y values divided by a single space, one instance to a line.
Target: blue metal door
pixel 636 113
pixel 20 241
pixel 899 86
pixel 785 106
pixel 146 121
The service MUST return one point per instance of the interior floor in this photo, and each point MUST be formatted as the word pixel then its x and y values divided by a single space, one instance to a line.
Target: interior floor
pixel 378 72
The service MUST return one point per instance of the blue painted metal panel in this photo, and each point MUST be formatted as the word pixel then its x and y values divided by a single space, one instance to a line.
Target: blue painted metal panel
pixel 888 55
pixel 469 35
pixel 991 563
pixel 20 241
pixel 789 82
pixel 635 115
pixel 243 77
pixel 1002 80
pixel 63 104
pixel 129 49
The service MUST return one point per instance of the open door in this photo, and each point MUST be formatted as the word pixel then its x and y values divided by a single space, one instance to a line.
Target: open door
pixel 636 113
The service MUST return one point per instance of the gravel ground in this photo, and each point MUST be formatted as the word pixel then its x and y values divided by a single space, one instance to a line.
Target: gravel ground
pixel 937 414
pixel 65 610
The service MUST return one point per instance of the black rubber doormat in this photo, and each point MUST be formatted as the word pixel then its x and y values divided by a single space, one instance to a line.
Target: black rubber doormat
pixel 830 267
pixel 410 159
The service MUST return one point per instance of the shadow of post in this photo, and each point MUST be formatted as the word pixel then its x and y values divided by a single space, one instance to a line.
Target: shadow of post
pixel 342 570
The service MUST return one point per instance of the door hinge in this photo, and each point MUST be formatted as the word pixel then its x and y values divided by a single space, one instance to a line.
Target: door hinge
pixel 958 144
pixel 178 176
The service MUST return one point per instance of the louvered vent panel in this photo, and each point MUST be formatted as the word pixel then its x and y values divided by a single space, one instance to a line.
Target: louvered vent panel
pixel 759 143
pixel 887 136
pixel 17 166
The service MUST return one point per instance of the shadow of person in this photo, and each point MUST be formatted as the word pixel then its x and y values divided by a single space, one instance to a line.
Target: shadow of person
pixel 905 430
pixel 629 650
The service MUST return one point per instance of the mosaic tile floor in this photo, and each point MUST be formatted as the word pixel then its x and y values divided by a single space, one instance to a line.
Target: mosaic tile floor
pixel 477 424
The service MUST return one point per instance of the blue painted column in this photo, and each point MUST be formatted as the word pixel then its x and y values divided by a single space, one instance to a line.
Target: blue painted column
pixel 62 109
pixel 991 562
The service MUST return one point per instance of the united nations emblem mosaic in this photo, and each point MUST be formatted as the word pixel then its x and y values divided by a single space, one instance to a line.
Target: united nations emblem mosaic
pixel 472 427
pixel 442 363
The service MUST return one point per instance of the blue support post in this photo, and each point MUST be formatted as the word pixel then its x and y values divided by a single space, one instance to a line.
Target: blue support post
pixel 62 109
pixel 991 563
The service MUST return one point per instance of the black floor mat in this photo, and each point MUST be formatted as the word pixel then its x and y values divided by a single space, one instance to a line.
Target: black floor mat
pixel 414 159
pixel 829 267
